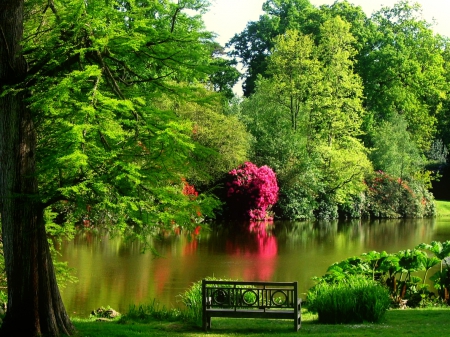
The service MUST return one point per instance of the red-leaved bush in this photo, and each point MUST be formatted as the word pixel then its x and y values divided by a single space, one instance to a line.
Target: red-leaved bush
pixel 252 191
pixel 189 190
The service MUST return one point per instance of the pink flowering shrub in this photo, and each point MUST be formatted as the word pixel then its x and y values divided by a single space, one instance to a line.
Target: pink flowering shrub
pixel 252 191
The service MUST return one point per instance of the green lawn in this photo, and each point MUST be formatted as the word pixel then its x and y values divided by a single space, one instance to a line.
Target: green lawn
pixel 443 208
pixel 410 322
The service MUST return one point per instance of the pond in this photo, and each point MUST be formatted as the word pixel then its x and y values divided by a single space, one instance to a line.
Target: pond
pixel 115 272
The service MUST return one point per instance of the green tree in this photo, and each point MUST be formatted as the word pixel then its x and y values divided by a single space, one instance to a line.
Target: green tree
pixel 296 75
pixel 402 68
pixel 225 75
pixel 222 139
pixel 443 123
pixel 254 44
pixel 338 117
pixel 32 288
pixel 394 151
pixel 82 132
pixel 306 117
pixel 279 146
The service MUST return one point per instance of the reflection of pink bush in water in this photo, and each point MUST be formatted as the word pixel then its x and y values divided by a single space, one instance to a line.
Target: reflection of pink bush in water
pixel 267 244
pixel 261 249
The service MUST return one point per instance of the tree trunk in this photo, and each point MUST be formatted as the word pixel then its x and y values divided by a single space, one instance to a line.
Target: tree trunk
pixel 34 303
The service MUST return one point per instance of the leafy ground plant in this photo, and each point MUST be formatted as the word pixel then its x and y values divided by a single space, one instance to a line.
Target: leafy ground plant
pixel 404 273
pixel 152 311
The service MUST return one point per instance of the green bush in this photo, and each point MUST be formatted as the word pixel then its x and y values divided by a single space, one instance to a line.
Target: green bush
pixel 352 300
pixel 295 203
pixel 391 197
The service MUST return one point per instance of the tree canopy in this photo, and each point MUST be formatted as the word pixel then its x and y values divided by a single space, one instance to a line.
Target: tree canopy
pixel 343 80
pixel 98 100
pixel 121 113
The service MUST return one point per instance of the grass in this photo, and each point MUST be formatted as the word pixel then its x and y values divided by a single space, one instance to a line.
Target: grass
pixel 443 208
pixel 409 322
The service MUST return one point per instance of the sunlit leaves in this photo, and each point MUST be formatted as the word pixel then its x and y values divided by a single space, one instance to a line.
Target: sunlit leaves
pixel 403 70
pixel 97 71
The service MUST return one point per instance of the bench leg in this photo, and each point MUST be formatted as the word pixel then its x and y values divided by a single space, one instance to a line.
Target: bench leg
pixel 206 323
pixel 298 321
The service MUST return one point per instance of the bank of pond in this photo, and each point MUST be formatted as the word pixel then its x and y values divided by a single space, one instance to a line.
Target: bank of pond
pixel 116 272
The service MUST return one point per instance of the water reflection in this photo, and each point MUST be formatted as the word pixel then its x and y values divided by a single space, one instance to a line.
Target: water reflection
pixel 255 243
pixel 115 272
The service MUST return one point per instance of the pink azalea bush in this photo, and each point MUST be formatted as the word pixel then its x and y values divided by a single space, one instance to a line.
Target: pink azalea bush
pixel 253 190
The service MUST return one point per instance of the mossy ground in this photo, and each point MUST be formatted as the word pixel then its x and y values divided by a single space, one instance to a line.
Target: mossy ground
pixel 443 208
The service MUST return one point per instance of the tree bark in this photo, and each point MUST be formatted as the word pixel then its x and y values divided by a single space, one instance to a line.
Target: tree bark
pixel 34 303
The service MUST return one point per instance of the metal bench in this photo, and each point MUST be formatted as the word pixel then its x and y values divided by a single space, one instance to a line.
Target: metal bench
pixel 237 299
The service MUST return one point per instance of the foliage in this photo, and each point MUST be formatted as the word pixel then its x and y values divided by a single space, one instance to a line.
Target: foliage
pixel 252 191
pixel 399 273
pixel 352 300
pixel 441 278
pixel 222 138
pixel 438 152
pixel 389 197
pixel 402 67
pixel 105 141
pixel 296 202
pixel 253 46
pixel 382 79
pixel 307 127
pixel 394 151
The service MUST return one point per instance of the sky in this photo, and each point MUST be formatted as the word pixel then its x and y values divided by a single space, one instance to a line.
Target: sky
pixel 228 17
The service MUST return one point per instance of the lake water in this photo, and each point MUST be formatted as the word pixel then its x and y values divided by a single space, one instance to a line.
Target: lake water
pixel 115 272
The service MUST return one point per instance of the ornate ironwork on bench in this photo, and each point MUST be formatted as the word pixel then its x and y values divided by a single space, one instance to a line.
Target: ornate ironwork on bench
pixel 239 299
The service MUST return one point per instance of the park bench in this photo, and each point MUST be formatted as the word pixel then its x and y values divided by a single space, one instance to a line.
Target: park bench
pixel 238 299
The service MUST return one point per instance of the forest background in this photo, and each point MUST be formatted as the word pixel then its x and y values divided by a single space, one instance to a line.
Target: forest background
pixel 122 113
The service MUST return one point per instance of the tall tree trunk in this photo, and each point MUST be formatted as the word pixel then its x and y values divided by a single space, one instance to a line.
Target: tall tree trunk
pixel 34 303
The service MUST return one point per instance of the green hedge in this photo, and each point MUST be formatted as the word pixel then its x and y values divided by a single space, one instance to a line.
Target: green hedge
pixel 352 300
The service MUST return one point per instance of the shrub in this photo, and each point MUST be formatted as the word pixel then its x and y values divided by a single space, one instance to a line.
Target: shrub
pixel 326 210
pixel 352 300
pixel 296 202
pixel 252 191
pixel 390 197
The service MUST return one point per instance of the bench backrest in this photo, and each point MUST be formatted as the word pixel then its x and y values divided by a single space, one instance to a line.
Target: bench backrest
pixel 240 294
